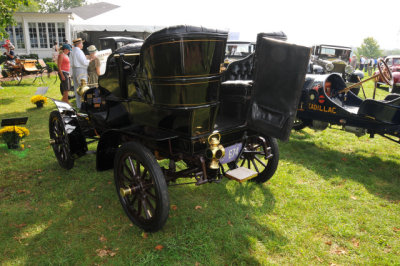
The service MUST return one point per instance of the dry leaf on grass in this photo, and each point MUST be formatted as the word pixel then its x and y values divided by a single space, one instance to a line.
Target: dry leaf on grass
pixel 145 235
pixel 198 207
pixel 230 223
pixel 344 159
pixel 159 247
pixel 174 207
pixel 356 243
pixel 20 225
pixel 338 250
pixel 106 252
pixel 396 229
pixel 103 238
pixel 93 189
pixel 328 243
pixel 99 206
pixel 319 259
pixel 353 197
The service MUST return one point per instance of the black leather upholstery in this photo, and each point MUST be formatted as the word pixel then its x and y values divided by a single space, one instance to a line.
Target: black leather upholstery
pixel 240 69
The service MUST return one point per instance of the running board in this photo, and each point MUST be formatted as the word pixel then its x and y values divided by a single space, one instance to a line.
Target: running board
pixel 241 174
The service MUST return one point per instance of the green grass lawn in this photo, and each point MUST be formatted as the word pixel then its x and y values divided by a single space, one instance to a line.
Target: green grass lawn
pixel 335 199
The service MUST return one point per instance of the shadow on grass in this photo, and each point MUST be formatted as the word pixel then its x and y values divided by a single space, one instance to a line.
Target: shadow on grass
pixel 379 177
pixel 67 212
pixel 6 101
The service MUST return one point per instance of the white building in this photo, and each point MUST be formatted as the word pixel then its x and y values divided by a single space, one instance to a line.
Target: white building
pixel 35 33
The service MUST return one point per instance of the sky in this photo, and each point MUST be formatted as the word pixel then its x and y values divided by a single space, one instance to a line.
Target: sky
pixel 306 22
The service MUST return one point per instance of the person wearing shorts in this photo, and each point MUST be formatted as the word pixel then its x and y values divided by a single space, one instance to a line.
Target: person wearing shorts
pixel 63 72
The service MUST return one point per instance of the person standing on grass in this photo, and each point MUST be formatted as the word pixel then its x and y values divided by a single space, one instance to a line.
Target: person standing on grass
pixel 63 72
pixel 79 64
pixel 362 63
pixel 353 62
pixel 94 66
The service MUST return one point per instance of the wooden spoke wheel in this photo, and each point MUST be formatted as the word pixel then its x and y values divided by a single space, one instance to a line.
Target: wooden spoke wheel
pixel 60 140
pixel 385 72
pixel 260 154
pixel 141 186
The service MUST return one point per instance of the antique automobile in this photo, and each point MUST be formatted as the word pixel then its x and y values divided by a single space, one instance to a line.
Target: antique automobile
pixel 236 50
pixel 334 59
pixel 327 100
pixel 116 42
pixel 393 61
pixel 161 102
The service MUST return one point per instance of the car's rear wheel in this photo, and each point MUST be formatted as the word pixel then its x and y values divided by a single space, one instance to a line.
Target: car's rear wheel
pixel 260 154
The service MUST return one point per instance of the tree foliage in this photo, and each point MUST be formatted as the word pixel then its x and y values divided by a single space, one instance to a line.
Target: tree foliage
pixel 369 48
pixel 7 9
pixel 59 5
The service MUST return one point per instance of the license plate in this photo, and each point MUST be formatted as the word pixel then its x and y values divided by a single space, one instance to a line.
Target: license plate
pixel 231 153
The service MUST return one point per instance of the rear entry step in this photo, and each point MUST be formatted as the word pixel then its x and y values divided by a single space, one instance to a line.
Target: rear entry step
pixel 241 174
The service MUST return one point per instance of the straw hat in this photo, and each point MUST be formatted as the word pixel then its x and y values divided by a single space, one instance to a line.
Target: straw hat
pixel 77 40
pixel 92 49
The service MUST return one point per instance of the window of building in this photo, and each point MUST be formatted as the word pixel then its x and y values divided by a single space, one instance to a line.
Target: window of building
pixel 19 36
pixel 52 33
pixel 33 35
pixel 61 32
pixel 43 35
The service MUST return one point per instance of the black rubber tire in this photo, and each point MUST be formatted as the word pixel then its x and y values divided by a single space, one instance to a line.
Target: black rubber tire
pixel 299 124
pixel 356 90
pixel 270 166
pixel 150 184
pixel 61 146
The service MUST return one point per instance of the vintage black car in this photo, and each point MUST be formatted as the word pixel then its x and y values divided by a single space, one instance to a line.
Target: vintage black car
pixel 116 42
pixel 334 59
pixel 327 100
pixel 163 100
pixel 236 50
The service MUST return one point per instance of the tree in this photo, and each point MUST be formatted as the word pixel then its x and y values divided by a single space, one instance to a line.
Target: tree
pixel 7 10
pixel 59 5
pixel 369 48
pixel 33 6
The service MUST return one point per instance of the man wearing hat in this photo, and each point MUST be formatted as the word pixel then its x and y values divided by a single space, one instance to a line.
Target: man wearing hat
pixel 79 64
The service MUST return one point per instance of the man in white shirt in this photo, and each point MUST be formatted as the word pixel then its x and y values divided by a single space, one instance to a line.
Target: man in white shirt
pixel 79 64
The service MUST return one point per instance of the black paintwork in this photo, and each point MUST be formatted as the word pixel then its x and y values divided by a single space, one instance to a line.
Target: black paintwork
pixel 381 117
pixel 166 92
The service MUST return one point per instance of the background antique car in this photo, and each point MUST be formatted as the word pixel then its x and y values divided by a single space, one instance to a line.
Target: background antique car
pixel 236 50
pixel 116 42
pixel 334 59
pixel 162 102
pixel 326 99
pixel 393 61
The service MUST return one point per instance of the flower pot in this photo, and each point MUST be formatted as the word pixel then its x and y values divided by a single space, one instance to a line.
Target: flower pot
pixel 39 104
pixel 13 144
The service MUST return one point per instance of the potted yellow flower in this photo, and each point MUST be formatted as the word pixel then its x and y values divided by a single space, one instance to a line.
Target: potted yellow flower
pixel 12 135
pixel 39 100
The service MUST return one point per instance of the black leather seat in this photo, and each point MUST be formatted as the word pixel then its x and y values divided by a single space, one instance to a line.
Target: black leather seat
pixel 240 69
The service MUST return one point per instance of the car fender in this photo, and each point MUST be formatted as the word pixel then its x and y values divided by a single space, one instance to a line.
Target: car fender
pixel 396 77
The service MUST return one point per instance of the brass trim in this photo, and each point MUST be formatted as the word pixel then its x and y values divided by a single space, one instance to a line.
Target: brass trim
pixel 188 76
pixel 185 41
pixel 184 84
pixel 133 54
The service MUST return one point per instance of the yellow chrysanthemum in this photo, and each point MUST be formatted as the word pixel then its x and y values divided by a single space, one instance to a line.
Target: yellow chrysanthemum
pixel 20 131
pixel 38 98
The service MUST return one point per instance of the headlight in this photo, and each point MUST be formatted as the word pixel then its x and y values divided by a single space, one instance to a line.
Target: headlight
pixel 348 69
pixel 329 67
